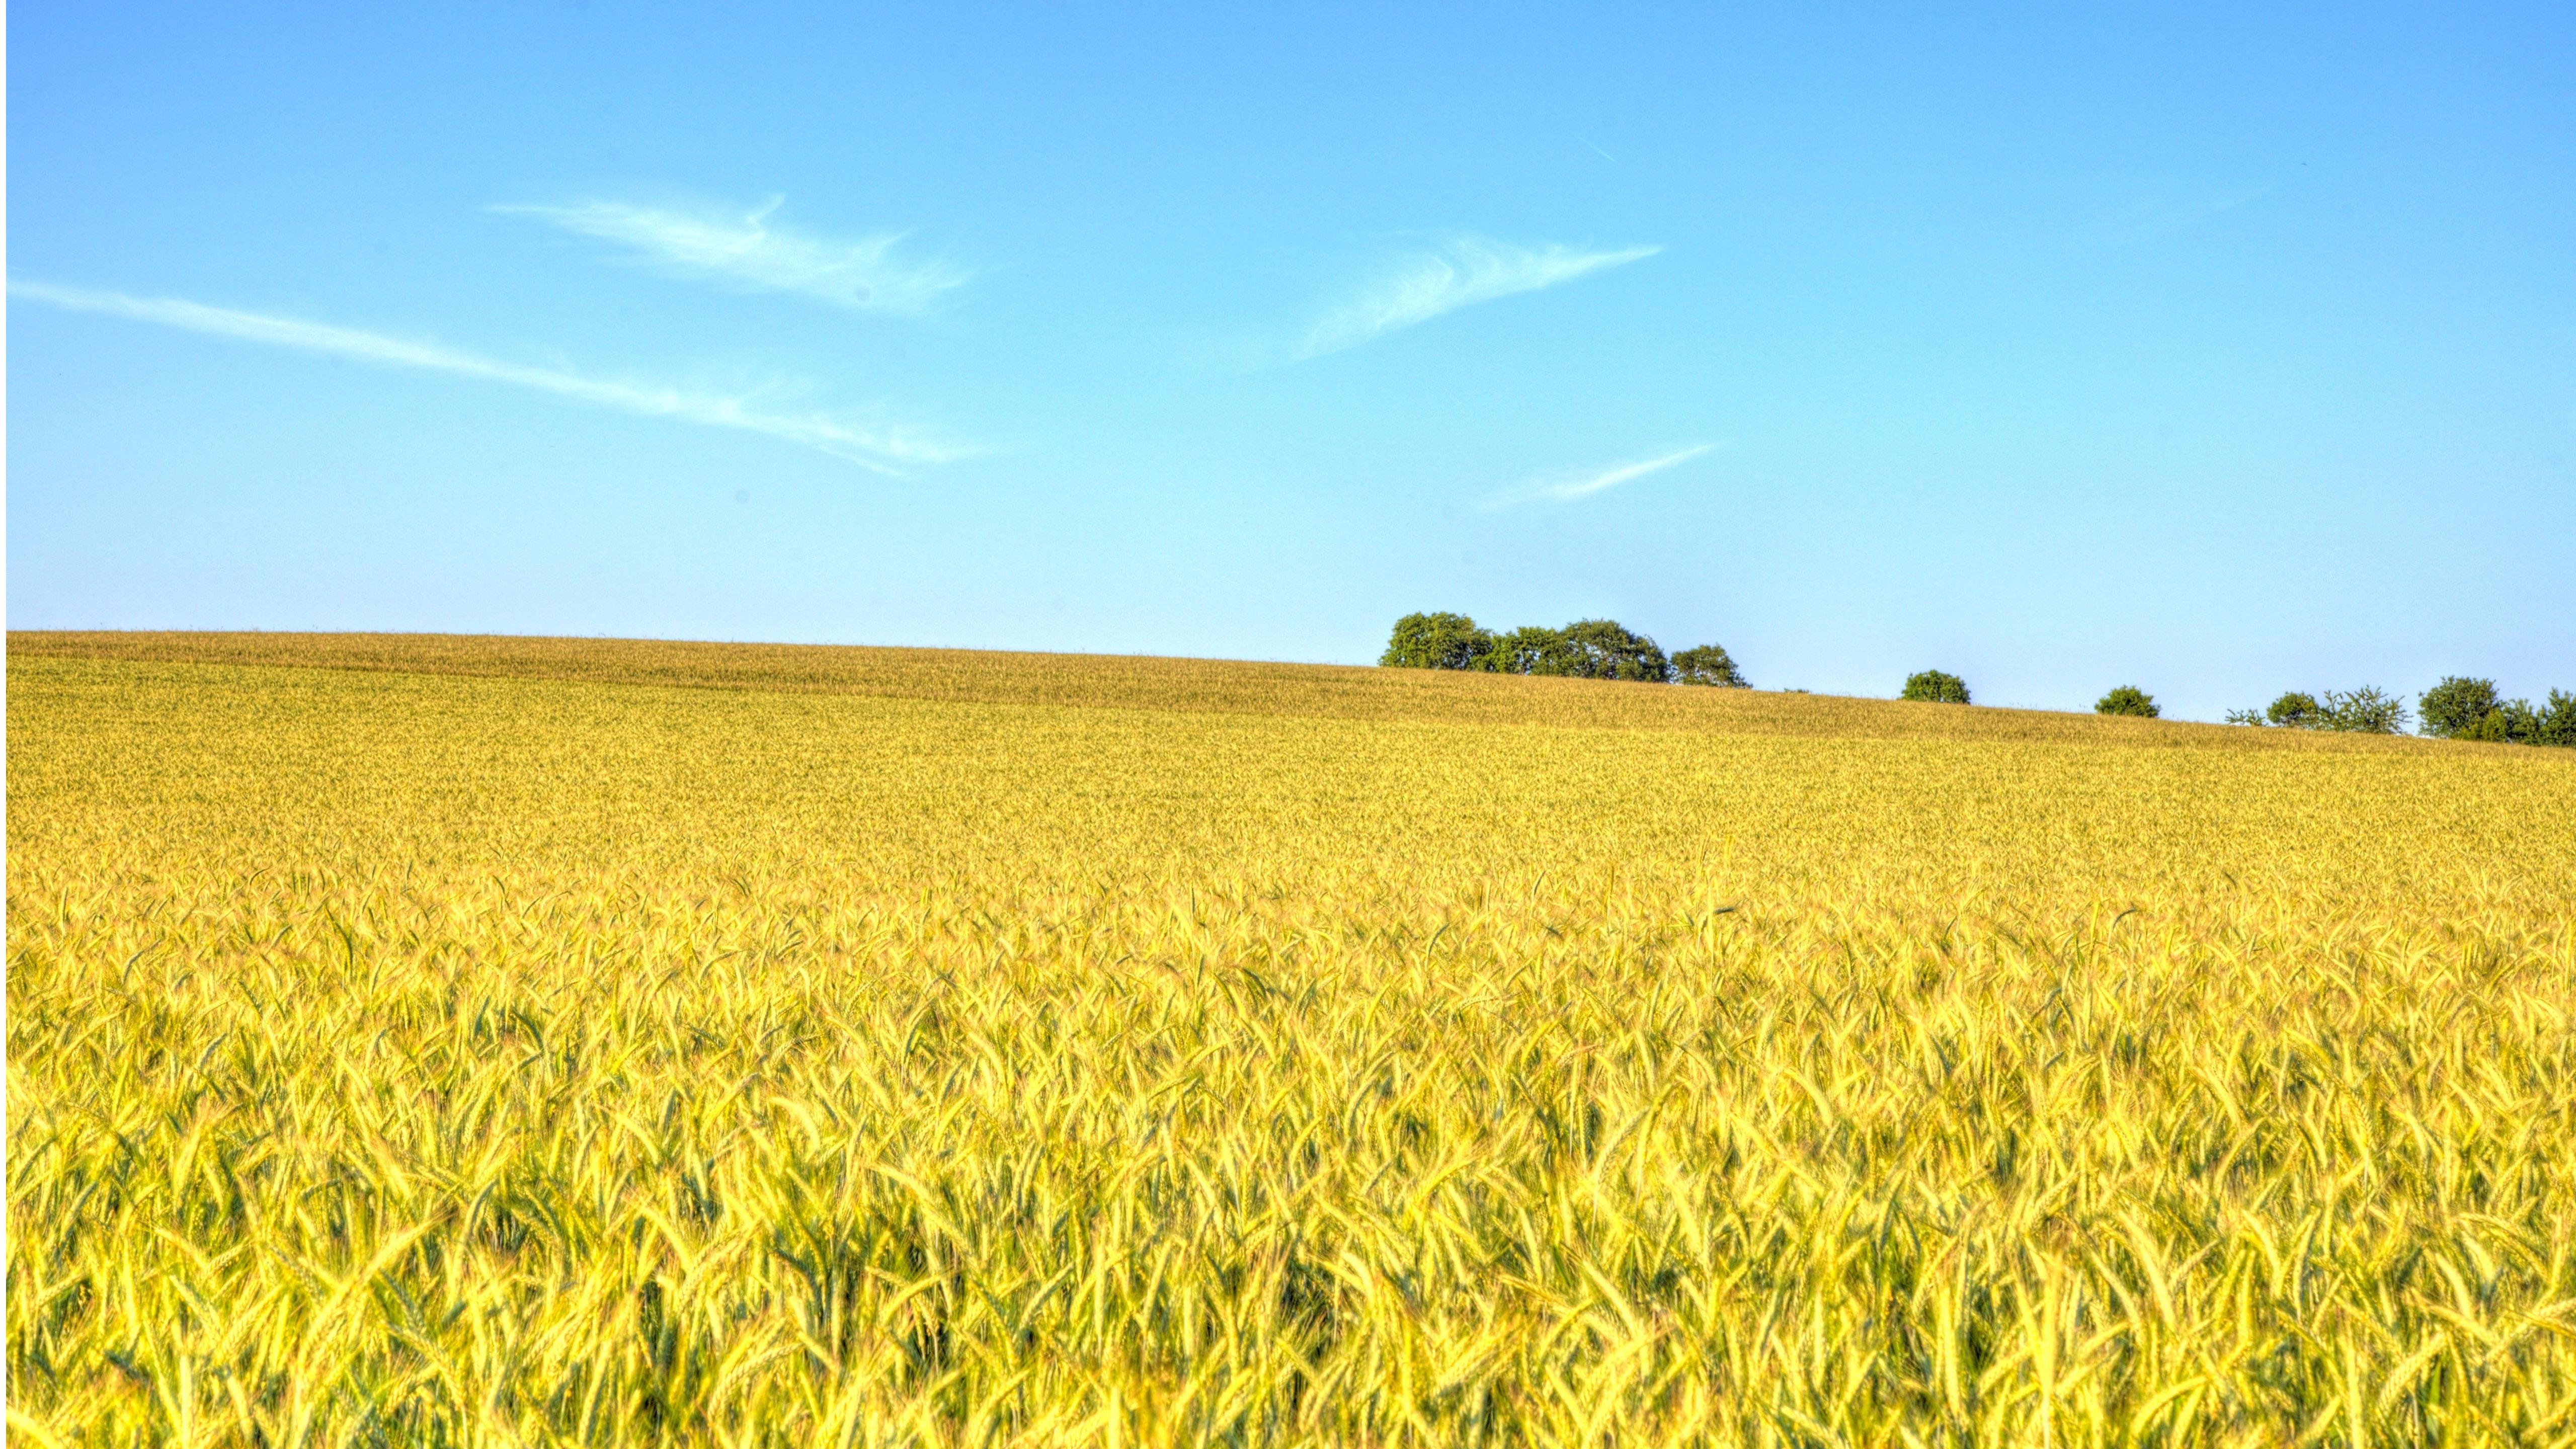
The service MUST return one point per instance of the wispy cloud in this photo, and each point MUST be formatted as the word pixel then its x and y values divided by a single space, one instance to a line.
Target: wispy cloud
pixel 1565 488
pixel 883 449
pixel 1458 271
pixel 743 249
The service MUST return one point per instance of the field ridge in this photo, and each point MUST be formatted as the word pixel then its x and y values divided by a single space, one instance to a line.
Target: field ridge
pixel 1159 683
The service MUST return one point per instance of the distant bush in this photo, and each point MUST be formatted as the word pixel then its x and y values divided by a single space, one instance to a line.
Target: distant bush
pixel 1708 664
pixel 2364 711
pixel 2360 711
pixel 1936 686
pixel 2294 710
pixel 2127 699
pixel 1436 641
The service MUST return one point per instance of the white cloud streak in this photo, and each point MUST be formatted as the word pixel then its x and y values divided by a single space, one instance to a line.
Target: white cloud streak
pixel 883 450
pixel 1459 271
pixel 1565 489
pixel 744 250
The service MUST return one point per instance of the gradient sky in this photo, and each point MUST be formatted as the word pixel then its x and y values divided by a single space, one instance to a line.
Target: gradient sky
pixel 2219 350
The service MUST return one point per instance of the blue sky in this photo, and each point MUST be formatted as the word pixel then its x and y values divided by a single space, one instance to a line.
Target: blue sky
pixel 2218 350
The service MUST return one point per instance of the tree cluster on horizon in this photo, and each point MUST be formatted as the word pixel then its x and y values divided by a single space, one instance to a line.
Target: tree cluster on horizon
pixel 1584 649
pixel 2458 708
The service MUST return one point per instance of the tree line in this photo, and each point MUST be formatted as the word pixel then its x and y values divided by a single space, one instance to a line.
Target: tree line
pixel 2458 708
pixel 1584 649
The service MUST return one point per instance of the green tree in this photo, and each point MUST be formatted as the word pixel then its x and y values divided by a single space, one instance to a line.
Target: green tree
pixel 2557 721
pixel 2294 710
pixel 1708 664
pixel 1936 686
pixel 1436 641
pixel 2469 709
pixel 2128 699
pixel 1528 650
pixel 2457 708
pixel 2513 722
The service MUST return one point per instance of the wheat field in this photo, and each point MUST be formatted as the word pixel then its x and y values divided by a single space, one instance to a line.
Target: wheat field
pixel 498 1042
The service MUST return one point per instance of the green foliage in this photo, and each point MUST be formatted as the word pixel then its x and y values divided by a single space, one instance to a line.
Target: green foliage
pixel 1936 686
pixel 1436 641
pixel 2468 709
pixel 1708 664
pixel 1530 649
pixel 2363 711
pixel 2295 710
pixel 2457 708
pixel 2513 722
pixel 1585 649
pixel 2557 722
pixel 1603 649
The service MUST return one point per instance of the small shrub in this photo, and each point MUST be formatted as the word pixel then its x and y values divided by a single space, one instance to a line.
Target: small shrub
pixel 2128 699
pixel 2360 711
pixel 2364 711
pixel 1936 686
pixel 1436 641
pixel 1708 664
pixel 2294 710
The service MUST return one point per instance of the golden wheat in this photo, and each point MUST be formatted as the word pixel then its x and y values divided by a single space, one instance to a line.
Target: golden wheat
pixel 502 1042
